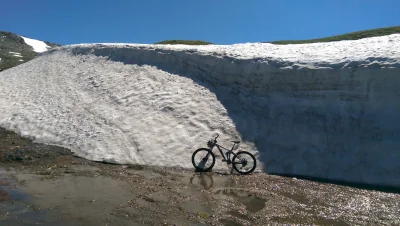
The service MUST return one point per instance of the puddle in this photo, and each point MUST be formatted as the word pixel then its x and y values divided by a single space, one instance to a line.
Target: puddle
pixel 207 181
pixel 228 186
pixel 19 210
pixel 203 180
pixel 70 200
pixel 253 203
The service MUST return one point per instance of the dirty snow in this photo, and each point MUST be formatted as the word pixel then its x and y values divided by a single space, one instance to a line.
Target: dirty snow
pixel 319 110
pixel 38 46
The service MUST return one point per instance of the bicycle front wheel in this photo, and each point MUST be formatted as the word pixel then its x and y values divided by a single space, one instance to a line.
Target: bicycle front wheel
pixel 244 162
pixel 203 159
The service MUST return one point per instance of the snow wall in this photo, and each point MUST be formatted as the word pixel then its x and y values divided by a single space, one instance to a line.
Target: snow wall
pixel 331 119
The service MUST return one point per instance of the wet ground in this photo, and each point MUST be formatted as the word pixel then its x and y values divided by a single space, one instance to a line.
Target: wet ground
pixel 46 185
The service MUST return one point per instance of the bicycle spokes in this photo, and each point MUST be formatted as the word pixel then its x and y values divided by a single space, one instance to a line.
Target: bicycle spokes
pixel 243 162
pixel 203 160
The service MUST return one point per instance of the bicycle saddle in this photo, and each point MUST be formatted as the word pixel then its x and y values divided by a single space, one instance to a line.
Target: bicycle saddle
pixel 235 141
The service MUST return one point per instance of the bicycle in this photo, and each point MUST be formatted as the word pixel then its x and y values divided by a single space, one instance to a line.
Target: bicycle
pixel 204 155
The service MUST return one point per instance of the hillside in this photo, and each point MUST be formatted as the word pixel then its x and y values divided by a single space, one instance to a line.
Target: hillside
pixel 16 49
pixel 349 36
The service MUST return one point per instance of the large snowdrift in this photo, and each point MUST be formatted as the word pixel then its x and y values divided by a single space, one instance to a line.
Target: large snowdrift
pixel 324 110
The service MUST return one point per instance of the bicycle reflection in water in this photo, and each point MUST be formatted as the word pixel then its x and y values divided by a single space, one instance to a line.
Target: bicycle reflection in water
pixel 223 185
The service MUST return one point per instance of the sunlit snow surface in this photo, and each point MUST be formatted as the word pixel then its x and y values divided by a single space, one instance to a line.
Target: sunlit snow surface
pixel 38 46
pixel 293 106
pixel 330 53
pixel 109 111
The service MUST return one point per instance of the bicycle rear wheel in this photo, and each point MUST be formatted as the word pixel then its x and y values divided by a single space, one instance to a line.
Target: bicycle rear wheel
pixel 244 162
pixel 203 159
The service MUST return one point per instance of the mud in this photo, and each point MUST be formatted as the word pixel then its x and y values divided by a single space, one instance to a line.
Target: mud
pixel 47 185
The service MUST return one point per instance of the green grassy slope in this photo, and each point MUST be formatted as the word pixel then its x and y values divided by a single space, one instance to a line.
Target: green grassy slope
pixel 349 36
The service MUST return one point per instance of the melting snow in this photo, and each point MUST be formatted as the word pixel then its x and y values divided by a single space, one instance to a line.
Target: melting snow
pixel 307 54
pixel 38 46
pixel 155 104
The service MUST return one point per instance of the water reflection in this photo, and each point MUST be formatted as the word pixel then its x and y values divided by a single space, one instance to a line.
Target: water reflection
pixel 19 210
pixel 225 185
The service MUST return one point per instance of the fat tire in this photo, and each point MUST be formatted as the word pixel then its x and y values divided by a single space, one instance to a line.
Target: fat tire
pixel 248 153
pixel 212 157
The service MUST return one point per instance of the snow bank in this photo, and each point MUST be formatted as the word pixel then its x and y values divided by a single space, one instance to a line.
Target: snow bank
pixel 325 110
pixel 38 46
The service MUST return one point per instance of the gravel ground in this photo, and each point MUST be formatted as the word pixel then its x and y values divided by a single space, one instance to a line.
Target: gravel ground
pixel 47 185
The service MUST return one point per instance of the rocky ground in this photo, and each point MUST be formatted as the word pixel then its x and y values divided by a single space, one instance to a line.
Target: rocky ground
pixel 47 185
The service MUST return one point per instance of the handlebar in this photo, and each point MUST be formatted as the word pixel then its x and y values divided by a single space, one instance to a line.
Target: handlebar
pixel 215 139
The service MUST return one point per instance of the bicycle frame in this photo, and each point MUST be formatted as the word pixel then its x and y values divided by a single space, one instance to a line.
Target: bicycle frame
pixel 219 148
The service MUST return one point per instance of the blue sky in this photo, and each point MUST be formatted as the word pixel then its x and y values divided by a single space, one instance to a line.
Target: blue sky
pixel 217 21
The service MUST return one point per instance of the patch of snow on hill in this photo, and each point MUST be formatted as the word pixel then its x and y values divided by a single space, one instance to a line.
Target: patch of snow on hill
pixel 38 46
pixel 16 54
